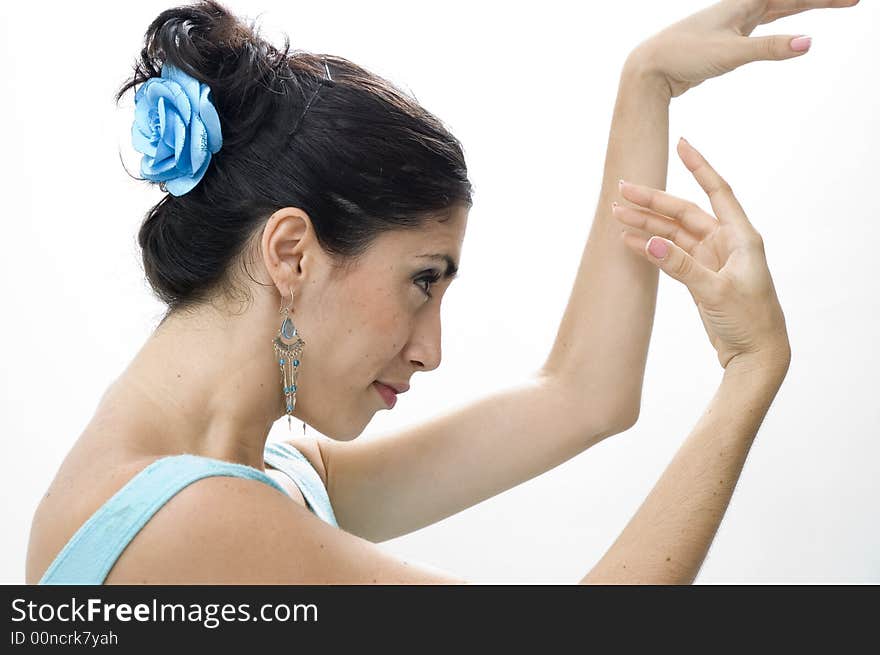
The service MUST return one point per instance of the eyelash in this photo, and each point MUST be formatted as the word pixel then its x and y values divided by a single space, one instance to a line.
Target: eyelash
pixel 434 277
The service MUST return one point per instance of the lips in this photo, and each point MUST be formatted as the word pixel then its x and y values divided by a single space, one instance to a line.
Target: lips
pixel 388 394
pixel 397 387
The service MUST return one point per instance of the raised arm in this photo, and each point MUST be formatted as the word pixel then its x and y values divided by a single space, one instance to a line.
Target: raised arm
pixel 590 385
pixel 601 345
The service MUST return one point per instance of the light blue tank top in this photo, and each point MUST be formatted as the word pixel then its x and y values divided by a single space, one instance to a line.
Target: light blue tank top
pixel 93 550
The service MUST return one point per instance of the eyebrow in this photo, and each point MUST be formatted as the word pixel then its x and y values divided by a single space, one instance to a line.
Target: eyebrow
pixel 451 267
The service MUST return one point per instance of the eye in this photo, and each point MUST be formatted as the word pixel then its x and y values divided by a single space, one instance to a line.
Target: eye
pixel 430 279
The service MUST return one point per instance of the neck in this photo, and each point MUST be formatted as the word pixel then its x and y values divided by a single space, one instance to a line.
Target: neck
pixel 204 383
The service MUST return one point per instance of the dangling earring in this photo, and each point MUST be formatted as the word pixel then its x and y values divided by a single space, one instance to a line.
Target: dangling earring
pixel 289 348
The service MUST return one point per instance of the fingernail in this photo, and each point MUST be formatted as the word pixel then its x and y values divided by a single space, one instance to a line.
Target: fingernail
pixel 801 43
pixel 658 247
pixel 684 140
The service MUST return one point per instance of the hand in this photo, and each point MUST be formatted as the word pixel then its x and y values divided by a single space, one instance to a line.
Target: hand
pixel 721 261
pixel 716 40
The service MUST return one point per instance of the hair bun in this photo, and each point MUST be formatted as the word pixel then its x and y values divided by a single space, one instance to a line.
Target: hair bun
pixel 208 42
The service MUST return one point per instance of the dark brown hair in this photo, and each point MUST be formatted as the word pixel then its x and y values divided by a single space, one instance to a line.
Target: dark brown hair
pixel 365 159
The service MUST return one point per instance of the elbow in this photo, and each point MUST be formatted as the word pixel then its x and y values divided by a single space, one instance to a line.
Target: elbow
pixel 624 419
pixel 618 422
pixel 627 409
pixel 617 410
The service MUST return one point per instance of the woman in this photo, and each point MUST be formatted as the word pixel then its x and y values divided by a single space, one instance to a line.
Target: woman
pixel 313 221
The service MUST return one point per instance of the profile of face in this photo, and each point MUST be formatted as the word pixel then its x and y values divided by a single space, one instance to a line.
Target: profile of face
pixel 378 320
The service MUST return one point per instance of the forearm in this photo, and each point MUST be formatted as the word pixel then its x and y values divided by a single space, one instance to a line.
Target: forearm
pixel 668 538
pixel 602 342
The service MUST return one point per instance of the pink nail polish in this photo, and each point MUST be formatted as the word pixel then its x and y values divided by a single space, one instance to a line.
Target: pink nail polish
pixel 801 43
pixel 658 247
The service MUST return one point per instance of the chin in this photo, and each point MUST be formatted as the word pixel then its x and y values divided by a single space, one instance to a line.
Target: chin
pixel 340 425
pixel 339 431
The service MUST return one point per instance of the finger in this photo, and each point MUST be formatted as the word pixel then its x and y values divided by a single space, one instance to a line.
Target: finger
pixel 692 218
pixel 770 48
pixel 676 263
pixel 724 203
pixel 656 224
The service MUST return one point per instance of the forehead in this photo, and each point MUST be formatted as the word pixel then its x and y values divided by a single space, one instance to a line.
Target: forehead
pixel 433 237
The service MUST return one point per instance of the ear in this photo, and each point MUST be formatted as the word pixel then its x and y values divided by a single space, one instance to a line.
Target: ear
pixel 287 247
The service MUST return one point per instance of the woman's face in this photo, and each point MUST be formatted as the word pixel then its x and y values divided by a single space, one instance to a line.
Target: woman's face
pixel 374 322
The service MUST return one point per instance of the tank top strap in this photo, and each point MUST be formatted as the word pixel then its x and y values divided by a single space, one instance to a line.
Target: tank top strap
pixel 93 550
pixel 285 457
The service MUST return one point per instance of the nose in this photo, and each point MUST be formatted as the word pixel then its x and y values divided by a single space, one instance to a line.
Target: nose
pixel 424 347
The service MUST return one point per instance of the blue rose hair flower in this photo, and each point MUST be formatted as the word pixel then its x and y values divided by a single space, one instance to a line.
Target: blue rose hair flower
pixel 177 129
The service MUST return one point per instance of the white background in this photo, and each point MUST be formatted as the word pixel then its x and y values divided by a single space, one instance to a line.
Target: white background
pixel 529 89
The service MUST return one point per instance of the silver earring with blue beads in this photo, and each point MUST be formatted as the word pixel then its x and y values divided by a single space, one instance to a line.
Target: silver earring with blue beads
pixel 288 350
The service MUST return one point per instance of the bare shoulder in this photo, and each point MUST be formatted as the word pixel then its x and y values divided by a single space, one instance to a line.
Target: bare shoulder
pixel 229 530
pixel 84 481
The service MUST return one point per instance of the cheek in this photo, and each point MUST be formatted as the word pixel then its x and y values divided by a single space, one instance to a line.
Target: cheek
pixel 385 327
pixel 370 328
